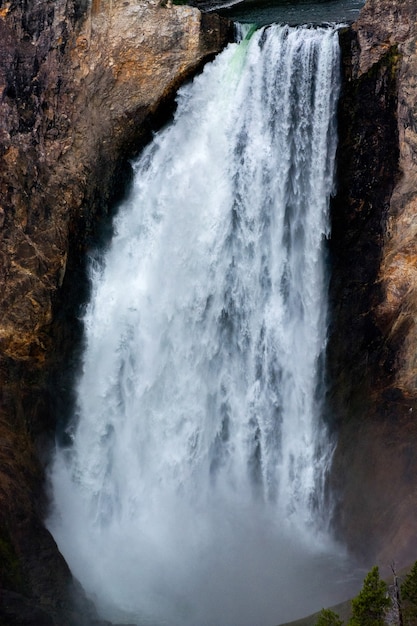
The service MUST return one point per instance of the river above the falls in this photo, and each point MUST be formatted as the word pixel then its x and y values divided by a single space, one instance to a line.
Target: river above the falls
pixel 262 12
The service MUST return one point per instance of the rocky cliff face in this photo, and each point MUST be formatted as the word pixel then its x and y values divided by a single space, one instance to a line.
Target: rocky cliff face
pixel 80 90
pixel 372 353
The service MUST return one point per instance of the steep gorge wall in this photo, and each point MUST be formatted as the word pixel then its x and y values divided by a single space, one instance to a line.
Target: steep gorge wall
pixel 79 94
pixel 372 355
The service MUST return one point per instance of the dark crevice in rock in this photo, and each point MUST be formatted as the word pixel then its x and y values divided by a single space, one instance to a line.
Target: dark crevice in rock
pixel 85 238
pixel 367 166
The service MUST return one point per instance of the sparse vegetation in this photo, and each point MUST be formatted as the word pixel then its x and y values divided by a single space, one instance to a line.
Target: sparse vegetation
pixel 372 602
pixel 369 607
pixel 409 597
pixel 327 617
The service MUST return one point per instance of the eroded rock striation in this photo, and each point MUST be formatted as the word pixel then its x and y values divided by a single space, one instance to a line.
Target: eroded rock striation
pixel 372 354
pixel 81 88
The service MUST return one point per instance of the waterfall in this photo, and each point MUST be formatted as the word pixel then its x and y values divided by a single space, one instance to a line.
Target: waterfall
pixel 192 487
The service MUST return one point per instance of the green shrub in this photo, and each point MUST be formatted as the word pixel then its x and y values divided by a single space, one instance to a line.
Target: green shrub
pixel 371 604
pixel 409 597
pixel 327 617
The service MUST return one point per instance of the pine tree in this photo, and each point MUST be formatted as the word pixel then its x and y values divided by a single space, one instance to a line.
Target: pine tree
pixel 327 617
pixel 372 602
pixel 409 597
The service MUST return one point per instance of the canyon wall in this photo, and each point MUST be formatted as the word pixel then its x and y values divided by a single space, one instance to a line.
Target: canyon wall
pixel 372 351
pixel 80 92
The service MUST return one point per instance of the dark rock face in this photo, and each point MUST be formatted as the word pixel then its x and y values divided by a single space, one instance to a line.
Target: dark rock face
pixel 373 249
pixel 80 91
pixel 368 166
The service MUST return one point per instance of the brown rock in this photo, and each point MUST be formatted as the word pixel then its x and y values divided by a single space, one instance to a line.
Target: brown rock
pixel 78 99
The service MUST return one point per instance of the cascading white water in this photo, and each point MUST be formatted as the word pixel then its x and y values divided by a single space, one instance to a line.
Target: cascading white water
pixel 195 476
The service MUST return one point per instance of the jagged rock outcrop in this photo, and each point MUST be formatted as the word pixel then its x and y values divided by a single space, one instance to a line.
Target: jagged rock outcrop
pixel 372 355
pixel 80 90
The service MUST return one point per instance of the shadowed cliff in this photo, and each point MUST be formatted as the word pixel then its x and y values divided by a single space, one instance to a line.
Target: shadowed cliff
pixel 373 248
